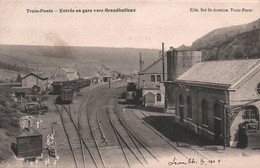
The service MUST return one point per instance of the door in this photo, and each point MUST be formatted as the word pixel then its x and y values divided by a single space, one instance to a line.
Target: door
pixel 149 99
pixel 181 108
pixel 217 122
pixel 217 130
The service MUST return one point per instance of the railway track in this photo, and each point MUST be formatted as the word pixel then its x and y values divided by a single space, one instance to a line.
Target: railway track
pixel 127 139
pixel 181 149
pixel 73 137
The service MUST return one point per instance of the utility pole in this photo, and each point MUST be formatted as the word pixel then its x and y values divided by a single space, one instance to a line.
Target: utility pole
pixel 224 125
pixel 163 60
pixel 37 77
pixel 165 95
pixel 140 69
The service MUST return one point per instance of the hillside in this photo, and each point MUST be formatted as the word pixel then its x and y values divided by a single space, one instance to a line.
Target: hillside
pixel 244 45
pixel 235 42
pixel 219 36
pixel 86 59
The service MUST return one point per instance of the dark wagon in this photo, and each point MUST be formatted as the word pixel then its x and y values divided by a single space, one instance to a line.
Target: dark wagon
pixel 66 96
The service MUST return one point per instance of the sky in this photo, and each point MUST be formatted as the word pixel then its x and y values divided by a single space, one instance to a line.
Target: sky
pixel 152 23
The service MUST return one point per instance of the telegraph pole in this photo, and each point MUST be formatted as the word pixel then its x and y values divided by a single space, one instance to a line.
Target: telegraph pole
pixel 140 69
pixel 224 125
pixel 163 60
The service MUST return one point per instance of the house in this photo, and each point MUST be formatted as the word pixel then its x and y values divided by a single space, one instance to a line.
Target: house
pixel 101 75
pixel 115 75
pixel 150 82
pixel 32 79
pixel 219 99
pixel 178 62
pixel 153 94
pixel 64 74
pixel 153 73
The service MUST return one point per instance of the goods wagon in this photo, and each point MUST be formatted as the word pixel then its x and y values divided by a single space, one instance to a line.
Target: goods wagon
pixel 131 86
pixel 75 85
pixel 56 88
pixel 66 96
pixel 130 97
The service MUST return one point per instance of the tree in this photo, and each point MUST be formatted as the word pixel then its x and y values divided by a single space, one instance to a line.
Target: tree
pixel 19 78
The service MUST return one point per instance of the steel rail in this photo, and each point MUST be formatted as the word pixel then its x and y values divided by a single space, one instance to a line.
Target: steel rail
pixel 117 136
pixel 130 133
pixel 91 155
pixel 91 130
pixel 73 154
pixel 112 123
pixel 82 151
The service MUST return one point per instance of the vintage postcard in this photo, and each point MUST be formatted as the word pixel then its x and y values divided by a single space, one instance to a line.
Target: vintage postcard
pixel 112 84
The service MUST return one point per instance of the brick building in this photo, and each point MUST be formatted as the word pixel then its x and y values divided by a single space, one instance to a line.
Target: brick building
pixel 217 99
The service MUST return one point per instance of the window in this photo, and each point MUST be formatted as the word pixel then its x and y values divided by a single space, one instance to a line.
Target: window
pixel 158 78
pixel 159 98
pixel 152 78
pixel 251 112
pixel 217 110
pixel 258 88
pixel 189 106
pixel 204 107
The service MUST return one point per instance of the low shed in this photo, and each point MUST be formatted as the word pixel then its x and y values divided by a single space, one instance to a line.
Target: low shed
pixel 29 144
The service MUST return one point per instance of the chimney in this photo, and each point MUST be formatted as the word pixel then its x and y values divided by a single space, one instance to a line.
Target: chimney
pixel 171 48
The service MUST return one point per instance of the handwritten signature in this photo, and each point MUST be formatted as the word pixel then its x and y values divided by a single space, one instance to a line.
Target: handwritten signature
pixel 190 161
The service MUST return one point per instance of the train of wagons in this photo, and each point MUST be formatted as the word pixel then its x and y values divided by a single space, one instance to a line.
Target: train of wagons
pixel 66 89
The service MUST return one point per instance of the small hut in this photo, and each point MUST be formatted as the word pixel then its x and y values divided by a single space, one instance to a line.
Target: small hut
pixel 29 144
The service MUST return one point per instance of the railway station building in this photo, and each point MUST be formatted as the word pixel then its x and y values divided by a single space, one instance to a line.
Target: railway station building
pixel 220 100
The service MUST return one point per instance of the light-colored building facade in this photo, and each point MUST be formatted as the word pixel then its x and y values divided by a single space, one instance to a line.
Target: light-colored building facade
pixel 32 79
pixel 150 81
pixel 64 74
pixel 153 73
pixel 153 94
pixel 218 99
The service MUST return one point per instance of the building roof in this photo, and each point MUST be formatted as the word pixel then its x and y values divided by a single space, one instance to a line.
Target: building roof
pixel 67 70
pixel 151 86
pixel 32 74
pixel 228 72
pixel 102 73
pixel 155 62
pixel 27 133
pixel 105 67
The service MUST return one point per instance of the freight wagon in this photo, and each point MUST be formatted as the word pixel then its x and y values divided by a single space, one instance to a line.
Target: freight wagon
pixel 66 96
pixel 75 85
